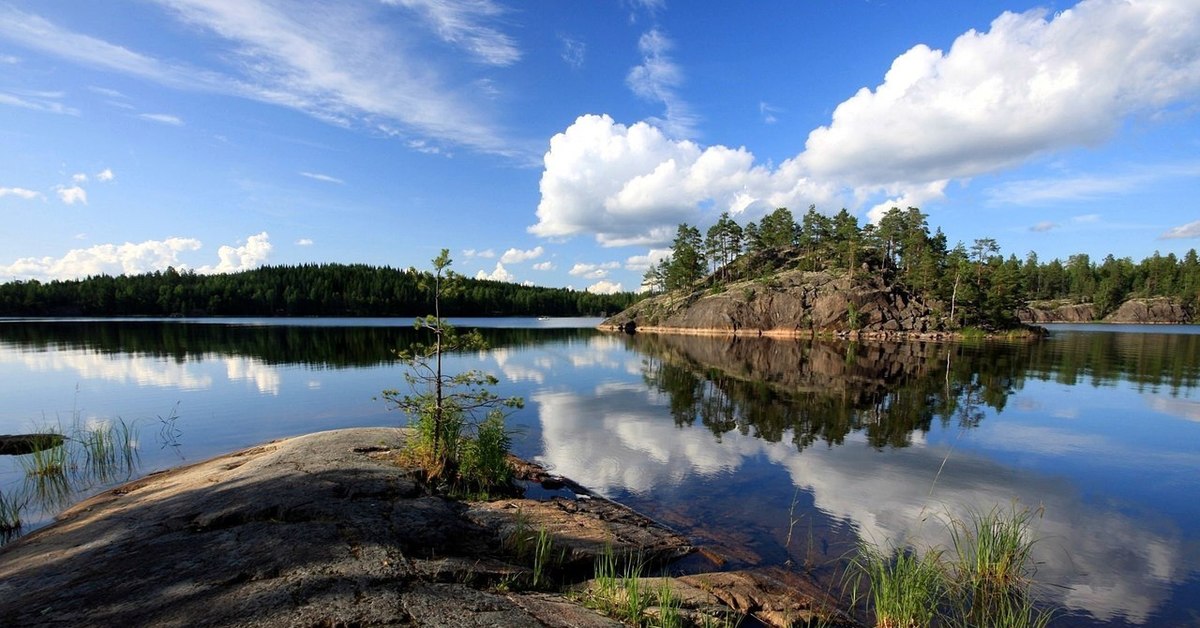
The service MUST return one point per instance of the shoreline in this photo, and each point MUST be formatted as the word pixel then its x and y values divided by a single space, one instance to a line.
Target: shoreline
pixel 327 529
pixel 1031 333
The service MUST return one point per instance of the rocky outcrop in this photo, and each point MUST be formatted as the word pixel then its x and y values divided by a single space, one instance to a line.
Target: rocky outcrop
pixel 319 530
pixel 791 303
pixel 1036 314
pixel 1161 310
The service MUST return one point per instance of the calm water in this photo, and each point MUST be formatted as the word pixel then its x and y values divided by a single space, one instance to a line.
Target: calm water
pixel 734 442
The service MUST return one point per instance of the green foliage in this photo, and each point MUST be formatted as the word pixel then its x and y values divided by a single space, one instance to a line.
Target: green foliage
pixel 10 517
pixel 460 439
pixel 982 288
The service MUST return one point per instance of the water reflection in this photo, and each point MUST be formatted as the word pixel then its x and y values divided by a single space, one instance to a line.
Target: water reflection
pixel 769 400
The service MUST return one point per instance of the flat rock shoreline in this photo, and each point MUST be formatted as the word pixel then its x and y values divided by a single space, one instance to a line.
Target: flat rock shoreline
pixel 327 529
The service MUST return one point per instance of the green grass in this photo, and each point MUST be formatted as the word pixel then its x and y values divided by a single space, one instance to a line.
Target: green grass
pixel 985 579
pixel 10 517
pixel 49 458
pixel 993 566
pixel 904 588
pixel 109 450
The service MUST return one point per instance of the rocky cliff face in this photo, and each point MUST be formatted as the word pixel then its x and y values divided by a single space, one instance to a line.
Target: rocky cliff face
pixel 791 303
pixel 1156 310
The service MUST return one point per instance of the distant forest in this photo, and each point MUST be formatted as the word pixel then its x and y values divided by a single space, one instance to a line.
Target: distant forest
pixel 986 287
pixel 305 290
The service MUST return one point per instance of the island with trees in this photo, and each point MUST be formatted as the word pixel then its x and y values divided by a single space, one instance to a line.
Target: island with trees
pixel 829 275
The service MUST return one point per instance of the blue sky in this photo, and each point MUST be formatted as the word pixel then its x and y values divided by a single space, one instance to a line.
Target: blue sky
pixel 559 143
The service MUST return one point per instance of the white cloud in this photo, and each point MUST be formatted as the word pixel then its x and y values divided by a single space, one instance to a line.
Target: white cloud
pixel 592 271
pixel 1043 226
pixel 322 177
pixel 633 185
pixel 547 265
pixel 19 193
pixel 79 177
pixel 498 274
pixel 604 287
pixel 573 51
pixel 1088 186
pixel 111 259
pixel 9 60
pixel 1031 85
pixel 1190 230
pixel 252 254
pixel 768 111
pixel 486 253
pixel 657 79
pixel 46 105
pixel 105 175
pixel 162 118
pixel 71 195
pixel 304 242
pixel 516 256
pixel 1028 86
pixel 462 23
pixel 343 63
pixel 642 263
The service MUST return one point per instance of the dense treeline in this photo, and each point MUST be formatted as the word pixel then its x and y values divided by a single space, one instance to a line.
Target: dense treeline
pixel 977 285
pixel 306 290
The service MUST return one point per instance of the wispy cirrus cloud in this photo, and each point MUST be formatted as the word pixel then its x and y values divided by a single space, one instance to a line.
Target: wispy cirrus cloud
pixel 162 118
pixel 316 176
pixel 1087 186
pixel 658 79
pixel 47 103
pixel 341 63
pixel 464 23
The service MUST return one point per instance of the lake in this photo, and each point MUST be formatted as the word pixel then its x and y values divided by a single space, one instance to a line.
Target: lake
pixel 765 452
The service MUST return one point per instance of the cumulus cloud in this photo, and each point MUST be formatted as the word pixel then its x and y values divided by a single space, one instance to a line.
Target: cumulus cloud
pixel 486 253
pixel 71 195
pixel 1043 226
pixel 1030 85
pixel 604 287
pixel 547 265
pixel 252 254
pixel 162 118
pixel 516 256
pixel 633 185
pixel 1190 230
pixel 500 273
pixel 658 79
pixel 110 259
pixel 322 177
pixel 592 271
pixel 19 193
pixel 79 177
pixel 643 263
pixel 304 242
pixel 105 175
